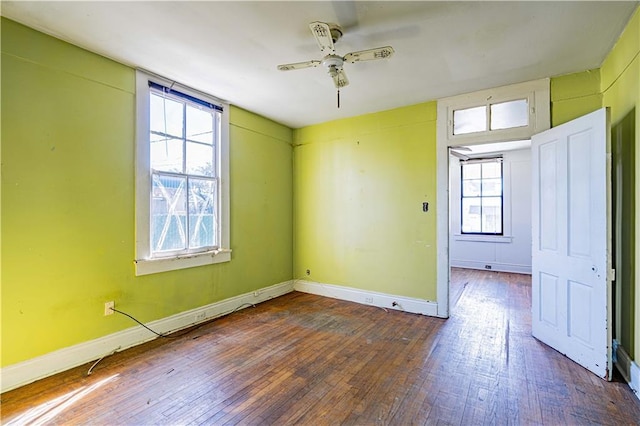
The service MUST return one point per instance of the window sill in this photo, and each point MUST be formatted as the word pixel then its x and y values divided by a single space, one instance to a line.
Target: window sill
pixel 153 266
pixel 484 238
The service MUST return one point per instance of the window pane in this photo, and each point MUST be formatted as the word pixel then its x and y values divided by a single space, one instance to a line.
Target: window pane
pixel 507 115
pixel 492 215
pixel 491 170
pixel 168 213
pixel 199 125
pixel 166 154
pixel 471 171
pixel 202 219
pixel 470 120
pixel 482 197
pixel 491 187
pixel 471 215
pixel 471 188
pixel 200 159
pixel 165 116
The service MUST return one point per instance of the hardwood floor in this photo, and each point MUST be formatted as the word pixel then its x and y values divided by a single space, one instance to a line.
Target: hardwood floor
pixel 304 359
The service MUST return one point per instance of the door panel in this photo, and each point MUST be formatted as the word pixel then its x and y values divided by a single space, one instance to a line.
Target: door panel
pixel 579 195
pixel 548 297
pixel 571 241
pixel 548 200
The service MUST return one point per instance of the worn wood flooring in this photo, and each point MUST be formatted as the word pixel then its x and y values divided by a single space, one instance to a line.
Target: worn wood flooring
pixel 305 359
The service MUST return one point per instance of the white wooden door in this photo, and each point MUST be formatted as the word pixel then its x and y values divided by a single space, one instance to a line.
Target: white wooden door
pixel 571 286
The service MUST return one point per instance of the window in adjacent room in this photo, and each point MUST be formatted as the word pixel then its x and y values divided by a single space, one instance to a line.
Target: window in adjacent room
pixel 481 197
pixel 182 185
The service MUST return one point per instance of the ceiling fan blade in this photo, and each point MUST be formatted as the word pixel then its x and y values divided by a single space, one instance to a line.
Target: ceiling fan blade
pixel 322 34
pixel 298 65
pixel 458 155
pixel 370 54
pixel 340 78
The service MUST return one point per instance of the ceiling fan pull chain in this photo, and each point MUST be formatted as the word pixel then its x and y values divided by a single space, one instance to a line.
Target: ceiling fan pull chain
pixel 338 98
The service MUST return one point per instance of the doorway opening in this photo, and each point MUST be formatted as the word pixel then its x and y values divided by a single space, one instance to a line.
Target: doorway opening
pixel 498 115
pixel 490 207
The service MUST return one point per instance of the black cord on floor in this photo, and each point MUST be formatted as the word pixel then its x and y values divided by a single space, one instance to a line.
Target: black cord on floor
pixel 166 336
pixel 100 359
pixel 240 307
pixel 175 336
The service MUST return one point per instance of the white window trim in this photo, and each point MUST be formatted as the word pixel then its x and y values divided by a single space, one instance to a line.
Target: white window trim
pixel 445 139
pixel 483 238
pixel 144 263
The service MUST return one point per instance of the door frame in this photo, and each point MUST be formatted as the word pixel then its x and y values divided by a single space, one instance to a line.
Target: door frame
pixel 538 94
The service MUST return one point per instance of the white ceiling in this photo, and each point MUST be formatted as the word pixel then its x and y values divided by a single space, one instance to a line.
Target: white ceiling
pixel 231 49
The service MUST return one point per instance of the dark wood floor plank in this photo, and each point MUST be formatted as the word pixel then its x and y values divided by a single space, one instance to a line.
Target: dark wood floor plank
pixel 303 359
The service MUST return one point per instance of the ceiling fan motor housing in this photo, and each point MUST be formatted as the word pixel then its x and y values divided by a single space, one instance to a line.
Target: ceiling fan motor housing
pixel 332 62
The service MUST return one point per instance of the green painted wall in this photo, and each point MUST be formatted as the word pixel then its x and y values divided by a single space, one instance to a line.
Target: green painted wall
pixel 68 202
pixel 359 185
pixel 623 235
pixel 620 86
pixel 574 95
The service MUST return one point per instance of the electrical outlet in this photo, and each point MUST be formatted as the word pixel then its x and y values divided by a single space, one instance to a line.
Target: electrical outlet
pixel 368 300
pixel 200 317
pixel 108 306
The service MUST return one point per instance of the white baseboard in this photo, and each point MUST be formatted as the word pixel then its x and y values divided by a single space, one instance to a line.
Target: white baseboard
pixel 25 372
pixel 627 367
pixel 382 300
pixel 622 360
pixel 495 266
pixel 634 383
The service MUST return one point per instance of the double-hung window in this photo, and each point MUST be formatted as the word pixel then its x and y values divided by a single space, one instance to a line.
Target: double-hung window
pixel 481 197
pixel 181 177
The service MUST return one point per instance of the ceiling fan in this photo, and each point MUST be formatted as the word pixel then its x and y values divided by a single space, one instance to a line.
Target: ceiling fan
pixel 327 35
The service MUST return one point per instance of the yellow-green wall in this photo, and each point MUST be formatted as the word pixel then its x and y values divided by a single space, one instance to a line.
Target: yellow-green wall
pixel 359 185
pixel 574 95
pixel 68 202
pixel 620 86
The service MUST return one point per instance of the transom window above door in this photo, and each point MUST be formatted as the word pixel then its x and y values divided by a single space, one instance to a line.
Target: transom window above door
pixel 501 114
pixel 492 116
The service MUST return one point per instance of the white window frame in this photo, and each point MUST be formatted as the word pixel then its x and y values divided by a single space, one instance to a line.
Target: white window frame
pixel 145 262
pixel 456 209
pixel 462 197
pixel 539 94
